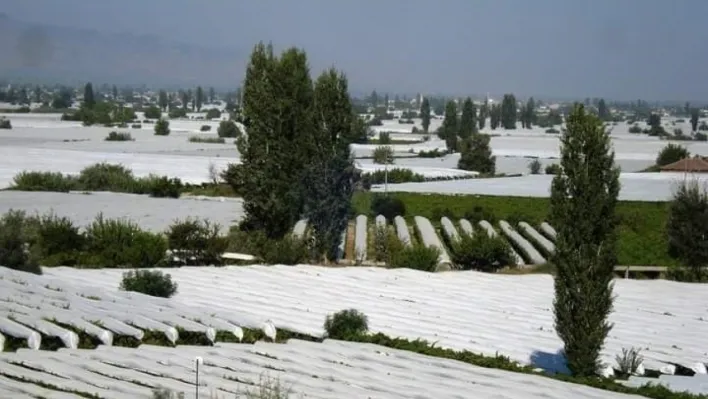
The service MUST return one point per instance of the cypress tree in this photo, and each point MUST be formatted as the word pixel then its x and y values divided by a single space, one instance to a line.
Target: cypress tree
pixel 483 113
pixel 89 100
pixel 425 114
pixel 450 126
pixel 199 98
pixel 582 208
pixel 468 120
pixel 508 112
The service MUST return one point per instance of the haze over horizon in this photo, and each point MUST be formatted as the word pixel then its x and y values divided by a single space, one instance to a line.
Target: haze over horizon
pixel 624 50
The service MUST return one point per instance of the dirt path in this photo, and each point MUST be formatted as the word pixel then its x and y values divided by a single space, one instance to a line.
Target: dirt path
pixel 349 245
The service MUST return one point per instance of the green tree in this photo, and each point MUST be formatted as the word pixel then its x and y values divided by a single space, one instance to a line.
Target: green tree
pixel 528 114
pixel 386 102
pixel 425 114
pixel 671 153
pixel 329 179
pixel 37 94
pixel 450 127
pixel 374 99
pixel 89 100
pixel 162 127
pixel 494 116
pixel 582 208
pixel 508 111
pixel 468 120
pixel 62 100
pixel 212 95
pixel 199 99
pixel 114 92
pixel 483 113
pixel 602 112
pixel 687 228
pixel 184 98
pixel 278 115
pixel 476 155
pixel 694 119
pixel 162 100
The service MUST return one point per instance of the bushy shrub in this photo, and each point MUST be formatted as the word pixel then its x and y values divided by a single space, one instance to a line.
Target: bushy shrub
pixel 159 186
pixel 196 242
pixel 479 213
pixel 435 153
pixel 149 282
pixel 136 126
pixel 106 177
pixel 385 244
pixel 394 175
pixel 58 241
pixel 481 252
pixel 205 128
pixel 553 169
pixel 635 129
pixel 703 126
pixel 177 113
pixel 15 241
pixel 535 166
pixel 43 181
pixel 552 131
pixel 418 257
pixel 120 243
pixel 389 207
pixel 228 129
pixel 700 136
pixel 346 324
pixel 213 113
pixel 671 153
pixel 162 127
pixel 115 136
pixel 384 138
pixel 210 140
pixel 5 123
pixel 153 112
pixel 383 155
pixel 287 251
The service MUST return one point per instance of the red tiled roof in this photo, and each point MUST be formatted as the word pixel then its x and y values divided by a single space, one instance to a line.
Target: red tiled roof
pixel 687 165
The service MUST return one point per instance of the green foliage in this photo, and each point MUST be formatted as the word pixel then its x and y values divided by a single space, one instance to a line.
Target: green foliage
pixel 346 323
pixel 385 138
pixel 205 128
pixel 43 181
pixel 115 136
pixel 508 111
pixel 394 175
pixel 176 113
pixel 700 136
pixel 162 127
pixel 119 243
pixel 583 202
pixel 425 114
pixel 159 186
pixel 386 243
pixel 468 120
pixel 149 282
pixel 285 251
pixel 476 155
pixel 15 240
pixel 5 123
pixel 417 257
pixel 228 129
pixel 671 153
pixel 687 228
pixel 89 100
pixel 553 169
pixel 196 242
pixel 481 252
pixel 495 115
pixel 383 155
pixel 635 129
pixel 483 114
pixel 108 177
pixel 535 166
pixel 57 241
pixel 388 206
pixel 450 127
pixel 153 112
pixel 213 113
pixel 434 153
pixel 207 139
pixel 552 131
pixel 136 126
pixel 528 114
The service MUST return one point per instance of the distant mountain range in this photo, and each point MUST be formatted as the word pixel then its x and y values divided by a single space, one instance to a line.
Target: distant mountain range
pixel 53 54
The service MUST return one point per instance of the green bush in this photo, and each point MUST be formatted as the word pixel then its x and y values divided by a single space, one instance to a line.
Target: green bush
pixel 383 155
pixel 671 153
pixel 136 126
pixel 700 136
pixel 389 207
pixel 159 186
pixel 213 113
pixel 15 242
pixel 120 243
pixel 228 129
pixel 479 213
pixel 196 242
pixel 535 166
pixel 394 175
pixel 106 177
pixel 149 282
pixel 58 241
pixel 552 131
pixel 435 153
pixel 384 138
pixel 210 140
pixel 481 252
pixel 553 169
pixel 5 123
pixel 418 257
pixel 345 324
pixel 177 113
pixel 635 129
pixel 43 181
pixel 115 136
pixel 386 243
pixel 153 112
pixel 162 127
pixel 205 128
pixel 287 251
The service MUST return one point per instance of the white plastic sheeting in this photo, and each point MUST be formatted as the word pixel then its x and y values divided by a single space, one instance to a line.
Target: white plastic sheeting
pixel 402 231
pixel 548 230
pixel 380 221
pixel 300 228
pixel 404 307
pixel 528 249
pixel 449 229
pixel 47 329
pixel 360 237
pixel 466 226
pixel 332 369
pixel 13 329
pixel 548 245
pixel 430 239
pixel 493 233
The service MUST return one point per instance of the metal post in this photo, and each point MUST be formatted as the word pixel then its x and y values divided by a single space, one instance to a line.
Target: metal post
pixel 197 385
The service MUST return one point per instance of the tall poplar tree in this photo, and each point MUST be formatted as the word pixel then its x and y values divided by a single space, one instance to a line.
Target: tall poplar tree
pixel 483 113
pixel 508 111
pixel 425 114
pixel 468 120
pixel 89 100
pixel 450 126
pixel 582 209
pixel 199 98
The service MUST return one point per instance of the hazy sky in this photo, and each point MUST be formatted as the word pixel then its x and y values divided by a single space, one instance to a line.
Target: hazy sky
pixel 623 49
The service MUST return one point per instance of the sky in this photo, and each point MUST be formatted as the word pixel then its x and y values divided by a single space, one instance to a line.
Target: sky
pixel 618 49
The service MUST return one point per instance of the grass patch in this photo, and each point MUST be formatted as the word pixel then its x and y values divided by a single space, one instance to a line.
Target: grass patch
pixel 86 341
pixel 207 139
pixel 642 238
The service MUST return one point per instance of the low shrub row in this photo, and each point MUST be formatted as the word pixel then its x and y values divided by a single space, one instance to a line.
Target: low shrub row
pixel 99 177
pixel 115 136
pixel 49 240
pixel 207 139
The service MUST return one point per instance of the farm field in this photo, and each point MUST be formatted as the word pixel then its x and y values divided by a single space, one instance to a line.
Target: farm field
pixel 483 313
pixel 87 336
